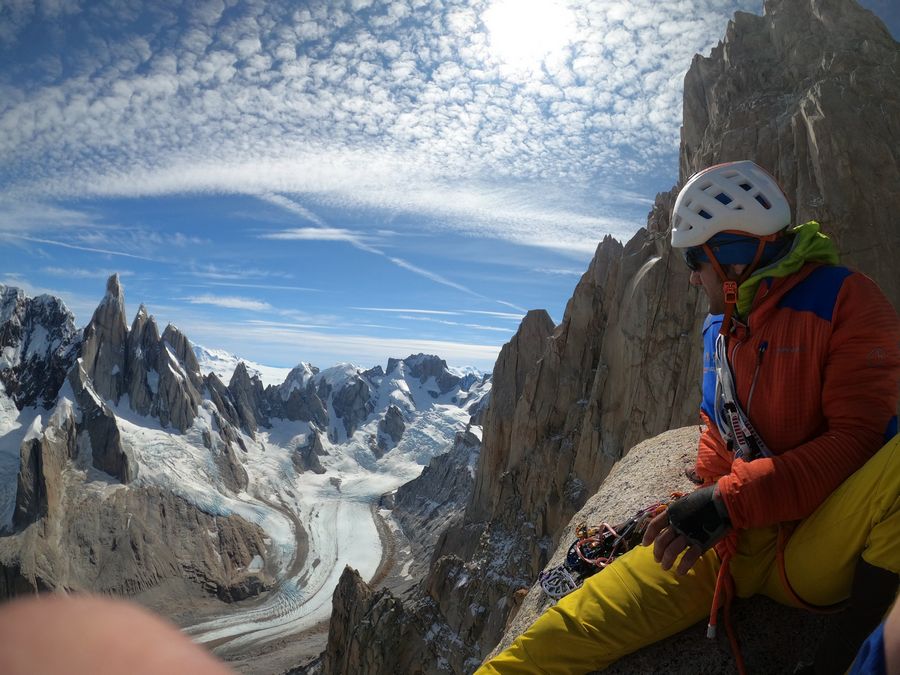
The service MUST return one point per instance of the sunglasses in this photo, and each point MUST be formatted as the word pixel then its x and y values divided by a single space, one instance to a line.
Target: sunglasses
pixel 693 257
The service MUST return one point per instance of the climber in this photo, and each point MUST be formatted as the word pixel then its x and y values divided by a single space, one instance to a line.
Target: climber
pixel 797 501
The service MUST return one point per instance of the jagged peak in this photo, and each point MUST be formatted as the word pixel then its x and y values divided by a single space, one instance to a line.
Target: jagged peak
pixel 536 322
pixel 533 315
pixel 214 380
pixel 243 377
pixel 114 290
pixel 414 360
pixel 111 309
pixel 171 331
pixel 609 246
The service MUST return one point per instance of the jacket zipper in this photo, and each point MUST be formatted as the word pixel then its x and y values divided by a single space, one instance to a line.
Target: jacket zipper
pixel 759 358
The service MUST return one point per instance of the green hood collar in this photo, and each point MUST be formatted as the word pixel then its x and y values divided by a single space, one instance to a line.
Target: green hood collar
pixel 809 245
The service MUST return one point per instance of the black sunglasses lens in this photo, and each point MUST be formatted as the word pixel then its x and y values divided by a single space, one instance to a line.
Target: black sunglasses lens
pixel 691 259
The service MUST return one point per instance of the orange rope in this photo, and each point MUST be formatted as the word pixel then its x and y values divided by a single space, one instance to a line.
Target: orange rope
pixel 725 588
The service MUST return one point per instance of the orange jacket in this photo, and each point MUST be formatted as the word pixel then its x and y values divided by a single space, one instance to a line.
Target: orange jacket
pixel 823 345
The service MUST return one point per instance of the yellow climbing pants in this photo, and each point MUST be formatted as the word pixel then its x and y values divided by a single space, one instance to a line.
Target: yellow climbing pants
pixel 634 602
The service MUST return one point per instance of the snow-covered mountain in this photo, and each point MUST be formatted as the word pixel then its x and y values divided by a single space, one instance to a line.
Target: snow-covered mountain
pixel 223 363
pixel 136 463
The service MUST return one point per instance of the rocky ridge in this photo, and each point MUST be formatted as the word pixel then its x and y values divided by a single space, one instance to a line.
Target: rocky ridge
pixel 787 90
pixel 38 345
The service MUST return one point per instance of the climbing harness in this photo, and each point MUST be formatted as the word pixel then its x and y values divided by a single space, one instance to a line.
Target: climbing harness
pixel 595 548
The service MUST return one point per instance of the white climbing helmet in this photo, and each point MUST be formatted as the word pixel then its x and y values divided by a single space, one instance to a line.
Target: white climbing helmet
pixel 736 196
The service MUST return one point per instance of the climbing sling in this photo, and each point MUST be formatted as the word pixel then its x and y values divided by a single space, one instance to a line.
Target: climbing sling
pixel 733 423
pixel 595 548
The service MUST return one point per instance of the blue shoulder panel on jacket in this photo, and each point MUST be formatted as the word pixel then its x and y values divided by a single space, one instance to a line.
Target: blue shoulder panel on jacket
pixel 818 292
pixel 710 331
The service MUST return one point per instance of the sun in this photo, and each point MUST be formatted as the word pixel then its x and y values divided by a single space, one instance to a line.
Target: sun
pixel 523 33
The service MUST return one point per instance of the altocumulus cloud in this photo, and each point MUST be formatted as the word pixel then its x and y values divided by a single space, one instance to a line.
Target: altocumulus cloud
pixel 407 105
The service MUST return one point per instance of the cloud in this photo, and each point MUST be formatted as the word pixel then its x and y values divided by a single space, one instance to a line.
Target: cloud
pixel 565 272
pixel 79 273
pixel 501 315
pixel 395 310
pixel 407 111
pixel 230 302
pixel 90 249
pixel 316 234
pixel 515 307
pixel 325 233
pixel 225 273
pixel 18 216
pixel 442 312
pixel 284 324
pixel 294 207
pixel 437 278
pixel 268 287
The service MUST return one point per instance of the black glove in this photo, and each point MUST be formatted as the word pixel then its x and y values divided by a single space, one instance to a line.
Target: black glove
pixel 701 517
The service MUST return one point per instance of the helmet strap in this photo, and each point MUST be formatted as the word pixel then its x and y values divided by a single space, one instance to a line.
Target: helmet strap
pixel 730 286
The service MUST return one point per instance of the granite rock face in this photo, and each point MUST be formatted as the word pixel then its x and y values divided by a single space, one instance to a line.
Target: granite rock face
pixel 142 358
pixel 249 399
pixel 303 404
pixel 42 457
pixel 180 382
pixel 223 446
pixel 131 540
pixel 426 506
pixel 306 456
pixel 160 374
pixel 425 366
pixel 352 403
pixel 99 423
pixel 38 345
pixel 418 642
pixel 103 347
pixel 390 429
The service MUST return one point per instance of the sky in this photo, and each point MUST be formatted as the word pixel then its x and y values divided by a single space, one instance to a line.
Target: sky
pixel 338 181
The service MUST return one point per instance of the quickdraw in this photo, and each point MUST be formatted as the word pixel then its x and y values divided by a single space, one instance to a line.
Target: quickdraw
pixel 595 548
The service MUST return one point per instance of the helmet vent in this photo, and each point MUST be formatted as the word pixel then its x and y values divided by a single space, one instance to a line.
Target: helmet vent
pixel 765 202
pixel 725 199
pixel 746 187
pixel 704 214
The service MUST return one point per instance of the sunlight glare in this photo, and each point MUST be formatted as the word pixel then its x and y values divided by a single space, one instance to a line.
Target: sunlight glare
pixel 524 32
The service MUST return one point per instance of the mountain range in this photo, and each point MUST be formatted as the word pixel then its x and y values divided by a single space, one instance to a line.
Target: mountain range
pixel 128 465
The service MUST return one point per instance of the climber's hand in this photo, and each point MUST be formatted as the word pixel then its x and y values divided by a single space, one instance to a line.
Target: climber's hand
pixel 668 545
